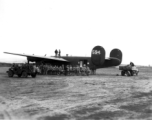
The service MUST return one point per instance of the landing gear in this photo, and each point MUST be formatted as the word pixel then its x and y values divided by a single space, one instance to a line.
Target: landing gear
pixel 33 75
pixel 10 73
pixel 122 73
pixel 125 73
pixel 19 75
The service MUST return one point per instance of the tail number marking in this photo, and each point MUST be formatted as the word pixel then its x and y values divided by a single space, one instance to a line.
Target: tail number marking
pixel 95 52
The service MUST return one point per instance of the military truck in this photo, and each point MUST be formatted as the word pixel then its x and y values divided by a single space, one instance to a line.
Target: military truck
pixel 23 70
pixel 128 70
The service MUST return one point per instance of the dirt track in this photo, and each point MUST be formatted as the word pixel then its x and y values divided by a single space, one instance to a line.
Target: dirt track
pixel 104 96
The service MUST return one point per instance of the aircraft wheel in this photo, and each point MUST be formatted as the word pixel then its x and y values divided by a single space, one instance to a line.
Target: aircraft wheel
pixel 122 73
pixel 24 74
pixel 10 73
pixel 19 75
pixel 33 75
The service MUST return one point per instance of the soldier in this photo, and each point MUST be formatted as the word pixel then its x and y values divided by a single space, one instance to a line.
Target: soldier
pixel 60 70
pixel 48 69
pixel 74 70
pixel 66 70
pixel 87 70
pixel 30 66
pixel 41 67
pixel 34 68
pixel 70 70
pixel 44 69
pixel 132 64
pixel 59 53
pixel 56 52
pixel 57 70
pixel 38 69
pixel 51 70
pixel 77 70
pixel 54 70
pixel 63 71
pixel 83 70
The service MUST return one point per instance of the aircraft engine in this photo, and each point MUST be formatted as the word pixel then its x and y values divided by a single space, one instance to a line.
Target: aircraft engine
pixel 98 55
pixel 116 53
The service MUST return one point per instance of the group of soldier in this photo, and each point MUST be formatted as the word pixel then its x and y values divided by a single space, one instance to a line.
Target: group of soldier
pixel 49 69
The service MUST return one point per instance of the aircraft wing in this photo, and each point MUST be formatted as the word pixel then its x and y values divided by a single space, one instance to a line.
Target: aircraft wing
pixel 36 57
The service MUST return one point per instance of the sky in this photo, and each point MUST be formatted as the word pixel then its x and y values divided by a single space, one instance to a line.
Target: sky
pixel 75 27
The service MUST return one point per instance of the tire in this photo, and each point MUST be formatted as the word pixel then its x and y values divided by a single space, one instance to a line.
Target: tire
pixel 24 74
pixel 33 75
pixel 122 73
pixel 19 75
pixel 10 74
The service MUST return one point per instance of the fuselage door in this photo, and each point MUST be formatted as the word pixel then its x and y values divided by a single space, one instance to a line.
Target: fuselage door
pixel 81 63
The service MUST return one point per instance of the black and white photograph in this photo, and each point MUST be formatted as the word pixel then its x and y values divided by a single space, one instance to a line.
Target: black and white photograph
pixel 75 60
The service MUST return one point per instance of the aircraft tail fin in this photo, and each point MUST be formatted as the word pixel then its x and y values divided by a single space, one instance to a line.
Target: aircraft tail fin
pixel 116 53
pixel 98 55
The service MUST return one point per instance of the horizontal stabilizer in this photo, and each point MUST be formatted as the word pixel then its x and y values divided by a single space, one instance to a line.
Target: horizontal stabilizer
pixel 113 58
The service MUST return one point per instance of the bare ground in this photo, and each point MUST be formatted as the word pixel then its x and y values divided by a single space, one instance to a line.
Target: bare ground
pixel 104 96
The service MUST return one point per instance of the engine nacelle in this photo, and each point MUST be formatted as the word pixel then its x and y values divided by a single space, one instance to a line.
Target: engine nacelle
pixel 98 55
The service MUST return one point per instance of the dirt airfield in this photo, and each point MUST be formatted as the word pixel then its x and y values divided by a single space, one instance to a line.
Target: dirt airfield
pixel 104 96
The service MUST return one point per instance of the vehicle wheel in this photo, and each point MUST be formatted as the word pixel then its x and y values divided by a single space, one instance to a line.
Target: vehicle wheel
pixel 33 75
pixel 24 74
pixel 19 75
pixel 122 73
pixel 10 73
pixel 127 73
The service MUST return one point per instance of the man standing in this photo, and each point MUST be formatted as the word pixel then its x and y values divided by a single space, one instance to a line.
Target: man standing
pixel 59 53
pixel 132 64
pixel 56 52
